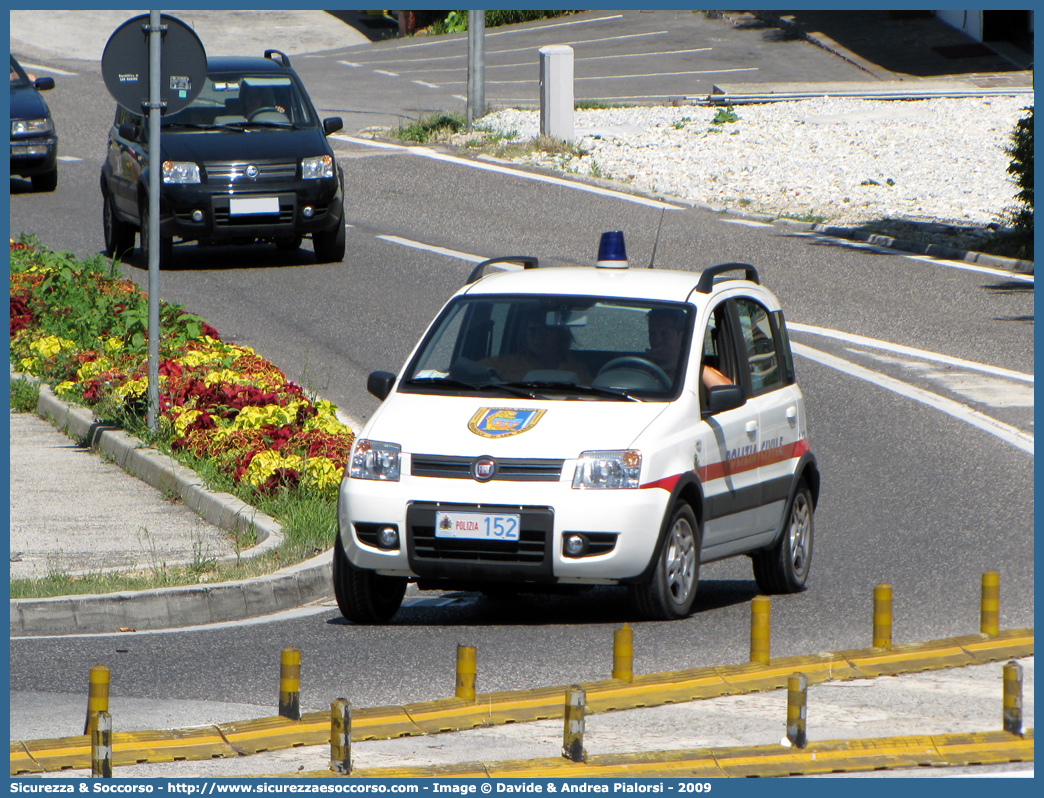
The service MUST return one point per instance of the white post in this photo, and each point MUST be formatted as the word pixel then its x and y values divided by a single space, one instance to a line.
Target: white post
pixel 556 91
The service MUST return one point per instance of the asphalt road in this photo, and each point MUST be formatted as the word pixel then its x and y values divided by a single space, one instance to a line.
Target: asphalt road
pixel 911 495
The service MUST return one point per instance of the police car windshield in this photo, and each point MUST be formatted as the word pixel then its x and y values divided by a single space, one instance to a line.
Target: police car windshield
pixel 563 347
pixel 231 100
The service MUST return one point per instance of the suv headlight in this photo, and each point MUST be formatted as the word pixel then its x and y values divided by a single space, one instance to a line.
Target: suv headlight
pixel 31 127
pixel 611 470
pixel 314 168
pixel 375 460
pixel 180 172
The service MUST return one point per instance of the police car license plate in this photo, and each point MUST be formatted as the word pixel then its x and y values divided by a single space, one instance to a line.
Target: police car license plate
pixel 248 206
pixel 477 526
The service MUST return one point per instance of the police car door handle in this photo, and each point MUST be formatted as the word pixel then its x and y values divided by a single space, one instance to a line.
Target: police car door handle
pixel 792 415
pixel 752 427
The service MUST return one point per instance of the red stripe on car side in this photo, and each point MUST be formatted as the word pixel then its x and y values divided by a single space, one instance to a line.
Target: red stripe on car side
pixel 738 465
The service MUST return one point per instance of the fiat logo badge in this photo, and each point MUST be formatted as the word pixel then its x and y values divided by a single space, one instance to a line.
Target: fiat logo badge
pixel 251 171
pixel 484 468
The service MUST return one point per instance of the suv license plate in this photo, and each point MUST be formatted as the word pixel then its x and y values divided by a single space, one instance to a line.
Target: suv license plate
pixel 477 526
pixel 249 206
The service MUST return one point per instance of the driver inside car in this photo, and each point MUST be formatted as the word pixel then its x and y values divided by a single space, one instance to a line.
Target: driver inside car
pixel 666 334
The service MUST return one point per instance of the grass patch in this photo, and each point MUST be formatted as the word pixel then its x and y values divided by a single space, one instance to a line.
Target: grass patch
pixel 429 129
pixel 25 395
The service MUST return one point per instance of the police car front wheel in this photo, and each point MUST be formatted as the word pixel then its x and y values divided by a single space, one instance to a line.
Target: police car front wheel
pixel 670 591
pixel 364 596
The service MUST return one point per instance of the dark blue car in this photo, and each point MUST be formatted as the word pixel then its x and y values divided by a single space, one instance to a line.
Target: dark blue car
pixel 34 144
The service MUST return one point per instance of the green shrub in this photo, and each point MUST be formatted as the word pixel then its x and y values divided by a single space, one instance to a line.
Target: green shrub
pixel 457 21
pixel 1021 152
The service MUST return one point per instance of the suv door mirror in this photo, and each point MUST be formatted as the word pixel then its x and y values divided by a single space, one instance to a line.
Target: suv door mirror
pixel 128 131
pixel 724 397
pixel 380 383
pixel 332 125
pixel 44 84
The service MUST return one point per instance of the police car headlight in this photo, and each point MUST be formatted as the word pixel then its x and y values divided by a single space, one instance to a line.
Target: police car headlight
pixel 31 127
pixel 375 460
pixel 609 470
pixel 314 168
pixel 180 172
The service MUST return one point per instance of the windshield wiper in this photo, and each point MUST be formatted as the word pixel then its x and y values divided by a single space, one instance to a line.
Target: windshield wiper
pixel 570 387
pixel 488 387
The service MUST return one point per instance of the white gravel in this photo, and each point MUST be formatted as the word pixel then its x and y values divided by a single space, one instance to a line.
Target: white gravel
pixel 845 161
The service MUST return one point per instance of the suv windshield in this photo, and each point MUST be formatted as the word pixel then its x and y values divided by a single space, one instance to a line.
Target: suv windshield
pixel 561 346
pixel 232 99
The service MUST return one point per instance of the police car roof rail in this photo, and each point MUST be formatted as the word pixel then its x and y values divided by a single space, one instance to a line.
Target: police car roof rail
pixel 527 261
pixel 709 275
pixel 283 59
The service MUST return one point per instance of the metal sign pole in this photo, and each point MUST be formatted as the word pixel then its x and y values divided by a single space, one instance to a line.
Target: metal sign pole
pixel 476 67
pixel 155 168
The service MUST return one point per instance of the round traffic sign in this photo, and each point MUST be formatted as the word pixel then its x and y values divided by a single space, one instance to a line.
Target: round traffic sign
pixel 125 65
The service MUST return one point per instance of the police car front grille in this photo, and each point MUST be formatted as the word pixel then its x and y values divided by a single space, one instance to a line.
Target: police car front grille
pixel 508 469
pixel 236 171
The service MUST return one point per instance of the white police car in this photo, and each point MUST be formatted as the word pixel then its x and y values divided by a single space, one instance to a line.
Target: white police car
pixel 560 427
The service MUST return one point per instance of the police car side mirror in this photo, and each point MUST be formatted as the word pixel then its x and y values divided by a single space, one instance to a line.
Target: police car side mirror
pixel 332 125
pixel 380 383
pixel 128 132
pixel 44 84
pixel 724 397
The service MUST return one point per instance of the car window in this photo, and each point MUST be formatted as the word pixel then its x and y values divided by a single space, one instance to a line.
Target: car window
pixel 239 99
pixel 580 341
pixel 762 358
pixel 18 77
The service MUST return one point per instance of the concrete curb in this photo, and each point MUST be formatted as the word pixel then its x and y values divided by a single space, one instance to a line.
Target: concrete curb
pixel 177 606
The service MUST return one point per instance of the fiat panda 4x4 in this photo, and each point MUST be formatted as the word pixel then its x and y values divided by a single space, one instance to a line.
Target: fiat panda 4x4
pixel 247 161
pixel 571 426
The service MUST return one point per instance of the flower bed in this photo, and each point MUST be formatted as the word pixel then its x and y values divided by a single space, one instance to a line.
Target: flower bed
pixel 82 329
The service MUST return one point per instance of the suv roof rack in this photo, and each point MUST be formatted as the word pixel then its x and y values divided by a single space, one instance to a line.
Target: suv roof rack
pixel 527 261
pixel 708 277
pixel 283 59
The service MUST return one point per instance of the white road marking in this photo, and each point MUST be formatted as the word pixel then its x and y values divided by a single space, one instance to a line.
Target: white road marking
pixel 428 85
pixel 68 158
pixel 489 167
pixel 747 223
pixel 873 343
pixel 972 267
pixel 389 74
pixel 1005 432
pixel 509 32
pixel 51 70
pixel 449 253
pixel 350 64
pixel 536 64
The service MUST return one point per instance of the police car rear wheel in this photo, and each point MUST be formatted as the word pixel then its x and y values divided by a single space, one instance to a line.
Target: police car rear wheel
pixel 671 590
pixel 364 596
pixel 784 568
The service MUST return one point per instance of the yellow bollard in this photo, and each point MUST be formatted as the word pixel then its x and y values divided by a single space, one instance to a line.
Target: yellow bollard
pixel 290 683
pixel 101 747
pixel 341 736
pixel 466 668
pixel 573 731
pixel 623 654
pixel 759 629
pixel 883 617
pixel 797 707
pixel 1013 698
pixel 97 697
pixel 989 614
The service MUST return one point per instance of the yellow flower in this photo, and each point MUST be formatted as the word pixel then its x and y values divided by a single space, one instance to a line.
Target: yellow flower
pixel 184 419
pixel 27 364
pixel 264 465
pixel 225 375
pixel 88 370
pixel 133 388
pixel 322 474
pixel 50 345
pixel 65 388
